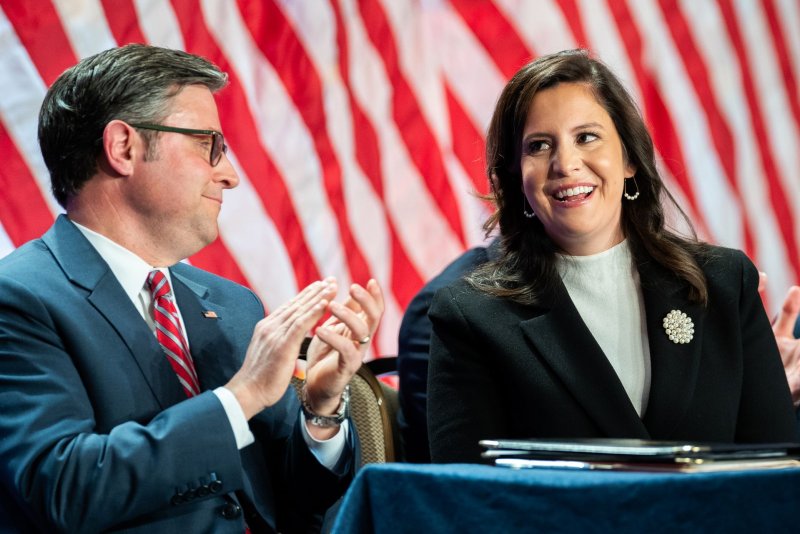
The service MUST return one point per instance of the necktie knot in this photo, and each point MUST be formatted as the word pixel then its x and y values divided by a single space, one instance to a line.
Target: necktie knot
pixel 158 284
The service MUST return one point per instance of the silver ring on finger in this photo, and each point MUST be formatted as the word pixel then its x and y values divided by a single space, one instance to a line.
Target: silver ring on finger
pixel 363 340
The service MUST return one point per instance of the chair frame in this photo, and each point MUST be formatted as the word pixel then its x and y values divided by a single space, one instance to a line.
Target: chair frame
pixel 388 430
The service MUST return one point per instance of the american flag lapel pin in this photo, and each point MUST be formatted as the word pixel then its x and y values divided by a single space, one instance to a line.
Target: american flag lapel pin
pixel 208 314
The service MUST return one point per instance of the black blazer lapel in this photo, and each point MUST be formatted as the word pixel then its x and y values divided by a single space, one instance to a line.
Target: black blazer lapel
pixel 84 267
pixel 563 340
pixel 674 366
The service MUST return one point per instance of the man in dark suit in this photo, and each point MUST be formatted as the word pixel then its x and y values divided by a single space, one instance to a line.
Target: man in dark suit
pixel 414 341
pixel 140 393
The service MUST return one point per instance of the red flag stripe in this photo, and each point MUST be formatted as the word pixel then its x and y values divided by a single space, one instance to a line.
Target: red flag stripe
pixel 491 28
pixel 711 38
pixel 123 21
pixel 468 144
pixel 777 195
pixel 780 44
pixel 416 134
pixel 404 189
pixel 301 81
pixel 655 111
pixel 723 139
pixel 31 21
pixel 23 211
pixel 239 126
pixel 404 278
pixel 217 258
pixel 22 90
pixel 574 16
pixel 296 218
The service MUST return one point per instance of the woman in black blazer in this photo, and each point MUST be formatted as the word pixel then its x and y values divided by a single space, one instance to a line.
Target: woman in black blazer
pixel 596 320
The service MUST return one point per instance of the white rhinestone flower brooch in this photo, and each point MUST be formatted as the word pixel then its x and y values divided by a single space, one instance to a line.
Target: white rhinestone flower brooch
pixel 679 327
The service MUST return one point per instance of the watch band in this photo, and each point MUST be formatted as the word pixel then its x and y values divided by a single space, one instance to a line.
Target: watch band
pixel 327 421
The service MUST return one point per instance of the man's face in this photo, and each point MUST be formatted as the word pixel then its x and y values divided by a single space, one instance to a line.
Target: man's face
pixel 175 191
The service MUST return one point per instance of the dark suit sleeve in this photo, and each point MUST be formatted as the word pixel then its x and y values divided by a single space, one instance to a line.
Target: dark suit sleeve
pixel 303 488
pixel 304 498
pixel 765 411
pixel 66 475
pixel 412 369
pixel 464 401
pixel 414 342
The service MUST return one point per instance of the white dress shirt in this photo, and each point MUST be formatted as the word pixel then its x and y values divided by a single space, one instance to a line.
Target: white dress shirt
pixel 131 272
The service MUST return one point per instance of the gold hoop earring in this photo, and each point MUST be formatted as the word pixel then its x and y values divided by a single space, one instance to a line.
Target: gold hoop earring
pixel 525 212
pixel 625 189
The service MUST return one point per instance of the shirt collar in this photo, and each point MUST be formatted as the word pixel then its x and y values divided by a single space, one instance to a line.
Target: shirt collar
pixel 130 270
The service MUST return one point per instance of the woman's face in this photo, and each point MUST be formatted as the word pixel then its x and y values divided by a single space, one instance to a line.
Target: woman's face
pixel 573 169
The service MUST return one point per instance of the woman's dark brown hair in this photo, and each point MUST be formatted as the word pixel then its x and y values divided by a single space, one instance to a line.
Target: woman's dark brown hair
pixel 526 266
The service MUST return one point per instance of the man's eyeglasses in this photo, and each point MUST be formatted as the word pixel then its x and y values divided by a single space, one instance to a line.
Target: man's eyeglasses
pixel 218 146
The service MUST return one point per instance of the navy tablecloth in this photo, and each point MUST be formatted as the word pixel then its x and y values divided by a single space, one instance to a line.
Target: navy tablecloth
pixel 418 499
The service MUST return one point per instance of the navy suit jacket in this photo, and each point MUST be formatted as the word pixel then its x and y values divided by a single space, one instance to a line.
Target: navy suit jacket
pixel 414 340
pixel 504 370
pixel 96 433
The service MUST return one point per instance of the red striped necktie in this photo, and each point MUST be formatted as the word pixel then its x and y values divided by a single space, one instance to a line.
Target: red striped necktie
pixel 170 334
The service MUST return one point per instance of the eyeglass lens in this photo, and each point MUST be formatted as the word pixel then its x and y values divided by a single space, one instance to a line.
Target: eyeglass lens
pixel 218 147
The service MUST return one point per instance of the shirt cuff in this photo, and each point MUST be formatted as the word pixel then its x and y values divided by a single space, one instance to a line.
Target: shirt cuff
pixel 241 430
pixel 330 450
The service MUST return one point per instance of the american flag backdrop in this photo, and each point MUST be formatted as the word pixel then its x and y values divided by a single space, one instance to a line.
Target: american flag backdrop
pixel 357 126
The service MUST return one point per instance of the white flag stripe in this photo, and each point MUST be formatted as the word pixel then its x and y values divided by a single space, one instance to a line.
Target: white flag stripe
pixel 21 94
pixel 85 26
pixel 6 245
pixel 252 238
pixel 540 24
pixel 780 127
pixel 693 129
pixel 418 64
pixel 610 47
pixel 707 27
pixel 605 41
pixel 788 12
pixel 408 201
pixel 315 24
pixel 777 121
pixel 463 61
pixel 159 23
pixel 473 210
pixel 420 57
pixel 287 140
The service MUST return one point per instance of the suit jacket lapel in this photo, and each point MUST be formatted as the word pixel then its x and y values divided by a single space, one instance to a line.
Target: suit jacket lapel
pixel 207 340
pixel 84 267
pixel 674 366
pixel 564 341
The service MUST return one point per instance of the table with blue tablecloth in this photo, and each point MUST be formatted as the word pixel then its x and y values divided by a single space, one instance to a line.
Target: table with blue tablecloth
pixel 397 498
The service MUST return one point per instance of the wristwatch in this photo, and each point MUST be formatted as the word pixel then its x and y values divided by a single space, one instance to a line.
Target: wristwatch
pixel 327 421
